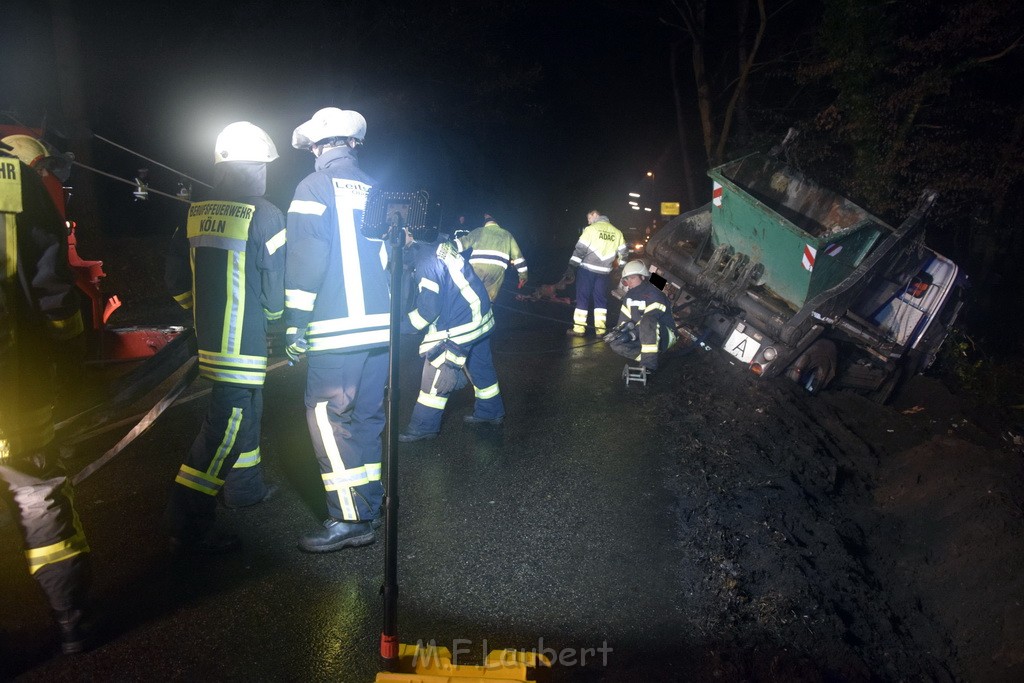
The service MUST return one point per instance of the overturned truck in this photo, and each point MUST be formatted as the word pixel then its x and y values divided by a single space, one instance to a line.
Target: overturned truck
pixel 790 278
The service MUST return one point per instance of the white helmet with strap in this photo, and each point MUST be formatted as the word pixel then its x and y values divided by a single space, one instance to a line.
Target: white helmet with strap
pixel 635 268
pixel 329 122
pixel 243 141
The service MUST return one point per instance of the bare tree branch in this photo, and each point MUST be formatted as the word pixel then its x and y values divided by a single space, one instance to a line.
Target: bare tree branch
pixel 741 86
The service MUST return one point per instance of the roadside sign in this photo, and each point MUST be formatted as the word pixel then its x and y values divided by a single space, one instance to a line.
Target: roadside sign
pixel 670 208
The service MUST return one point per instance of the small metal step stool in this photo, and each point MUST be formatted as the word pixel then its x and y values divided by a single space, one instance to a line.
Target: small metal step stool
pixel 638 374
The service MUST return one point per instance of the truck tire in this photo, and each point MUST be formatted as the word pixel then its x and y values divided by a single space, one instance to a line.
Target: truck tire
pixel 911 365
pixel 815 368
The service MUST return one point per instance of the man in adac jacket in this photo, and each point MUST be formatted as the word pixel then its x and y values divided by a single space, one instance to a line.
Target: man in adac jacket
pixel 594 256
pixel 39 315
pixel 337 305
pixel 494 249
pixel 452 306
pixel 228 266
pixel 646 327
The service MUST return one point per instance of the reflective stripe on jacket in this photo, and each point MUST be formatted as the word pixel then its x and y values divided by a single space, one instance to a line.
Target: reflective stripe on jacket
pixel 598 247
pixel 493 250
pixel 647 301
pixel 451 303
pixel 39 308
pixel 336 285
pixel 228 266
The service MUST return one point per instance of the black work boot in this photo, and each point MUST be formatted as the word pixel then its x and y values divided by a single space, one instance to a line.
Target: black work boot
pixel 73 637
pixel 335 535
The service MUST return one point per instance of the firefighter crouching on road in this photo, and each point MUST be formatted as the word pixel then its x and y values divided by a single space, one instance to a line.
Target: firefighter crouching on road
pixel 599 245
pixel 494 249
pixel 337 306
pixel 228 267
pixel 646 327
pixel 39 314
pixel 452 306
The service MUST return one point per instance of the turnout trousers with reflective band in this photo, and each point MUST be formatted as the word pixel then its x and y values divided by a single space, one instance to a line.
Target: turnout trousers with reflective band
pixel 229 436
pixel 345 413
pixel 426 414
pixel 653 338
pixel 38 492
pixel 590 288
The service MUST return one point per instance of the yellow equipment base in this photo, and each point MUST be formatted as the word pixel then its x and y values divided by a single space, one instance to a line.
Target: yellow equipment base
pixel 432 664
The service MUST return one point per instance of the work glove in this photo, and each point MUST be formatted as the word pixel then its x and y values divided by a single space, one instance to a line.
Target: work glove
pixel 522 281
pixel 296 345
pixel 570 275
pixel 447 380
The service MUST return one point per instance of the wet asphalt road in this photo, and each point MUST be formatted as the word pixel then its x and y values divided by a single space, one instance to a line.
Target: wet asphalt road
pixel 553 531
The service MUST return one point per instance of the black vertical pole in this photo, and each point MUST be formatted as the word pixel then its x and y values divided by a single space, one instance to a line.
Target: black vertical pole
pixel 389 634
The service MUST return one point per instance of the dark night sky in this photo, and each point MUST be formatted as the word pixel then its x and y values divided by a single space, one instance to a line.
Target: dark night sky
pixel 163 78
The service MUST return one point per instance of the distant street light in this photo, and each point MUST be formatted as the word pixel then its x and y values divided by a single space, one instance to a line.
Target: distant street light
pixel 635 194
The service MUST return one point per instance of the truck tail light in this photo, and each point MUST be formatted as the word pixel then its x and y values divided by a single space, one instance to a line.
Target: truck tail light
pixel 756 368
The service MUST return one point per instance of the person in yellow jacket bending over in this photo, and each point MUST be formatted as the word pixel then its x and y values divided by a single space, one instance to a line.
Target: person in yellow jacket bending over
pixel 493 250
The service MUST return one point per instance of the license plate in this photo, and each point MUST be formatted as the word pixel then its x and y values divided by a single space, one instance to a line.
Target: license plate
pixel 741 346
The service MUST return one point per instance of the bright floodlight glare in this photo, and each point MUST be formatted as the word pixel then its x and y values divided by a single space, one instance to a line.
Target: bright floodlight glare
pixel 635 194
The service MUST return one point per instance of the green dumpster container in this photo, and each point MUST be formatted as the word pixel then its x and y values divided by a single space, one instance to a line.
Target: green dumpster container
pixel 807 238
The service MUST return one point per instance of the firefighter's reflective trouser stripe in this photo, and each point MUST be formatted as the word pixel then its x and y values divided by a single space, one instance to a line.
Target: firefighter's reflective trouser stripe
pixel 426 414
pixel 345 414
pixel 590 288
pixel 654 337
pixel 231 428
pixel 38 491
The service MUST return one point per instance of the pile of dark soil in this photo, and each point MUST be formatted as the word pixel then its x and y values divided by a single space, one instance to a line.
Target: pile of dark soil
pixel 834 538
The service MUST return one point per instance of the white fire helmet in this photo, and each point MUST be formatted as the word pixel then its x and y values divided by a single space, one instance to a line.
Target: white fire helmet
pixel 330 122
pixel 243 141
pixel 26 148
pixel 635 268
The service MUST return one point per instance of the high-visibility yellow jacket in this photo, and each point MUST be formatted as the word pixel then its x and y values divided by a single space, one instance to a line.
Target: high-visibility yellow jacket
pixel 494 249
pixel 39 307
pixel 227 265
pixel 598 247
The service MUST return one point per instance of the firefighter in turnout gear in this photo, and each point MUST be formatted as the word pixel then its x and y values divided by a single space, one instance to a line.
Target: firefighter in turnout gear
pixel 227 265
pixel 453 307
pixel 494 249
pixel 594 256
pixel 39 316
pixel 646 327
pixel 337 305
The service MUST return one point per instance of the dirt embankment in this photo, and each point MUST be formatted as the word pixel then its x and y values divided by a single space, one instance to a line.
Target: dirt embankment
pixel 834 538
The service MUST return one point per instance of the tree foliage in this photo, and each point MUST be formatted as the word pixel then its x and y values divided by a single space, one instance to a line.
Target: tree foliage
pixel 919 94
